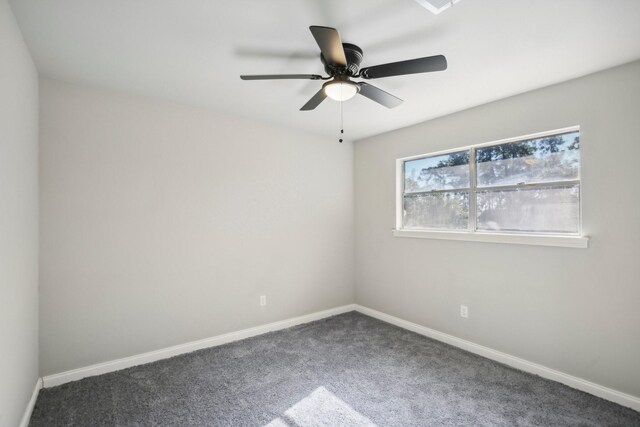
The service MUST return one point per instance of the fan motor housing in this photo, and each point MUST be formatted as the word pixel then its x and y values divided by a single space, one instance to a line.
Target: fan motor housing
pixel 354 57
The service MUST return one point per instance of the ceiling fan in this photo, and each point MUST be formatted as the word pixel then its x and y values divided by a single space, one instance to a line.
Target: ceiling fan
pixel 342 63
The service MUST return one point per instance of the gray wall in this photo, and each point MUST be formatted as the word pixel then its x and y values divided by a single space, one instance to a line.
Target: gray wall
pixel 163 224
pixel 575 310
pixel 18 221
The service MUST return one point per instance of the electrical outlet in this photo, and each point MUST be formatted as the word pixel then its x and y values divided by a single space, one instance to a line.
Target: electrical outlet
pixel 263 300
pixel 464 311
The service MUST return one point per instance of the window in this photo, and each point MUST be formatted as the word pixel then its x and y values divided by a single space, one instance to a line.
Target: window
pixel 528 186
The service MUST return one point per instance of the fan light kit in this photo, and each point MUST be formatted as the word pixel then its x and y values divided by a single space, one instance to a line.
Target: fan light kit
pixel 340 90
pixel 342 63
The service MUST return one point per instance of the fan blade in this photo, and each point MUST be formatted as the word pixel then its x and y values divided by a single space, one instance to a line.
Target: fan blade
pixel 330 44
pixel 314 101
pixel 411 66
pixel 282 76
pixel 378 95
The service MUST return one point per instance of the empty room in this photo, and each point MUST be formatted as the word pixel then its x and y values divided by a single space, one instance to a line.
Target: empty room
pixel 297 213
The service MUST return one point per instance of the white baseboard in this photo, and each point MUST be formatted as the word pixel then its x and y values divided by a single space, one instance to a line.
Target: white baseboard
pixel 618 397
pixel 32 403
pixel 513 361
pixel 152 356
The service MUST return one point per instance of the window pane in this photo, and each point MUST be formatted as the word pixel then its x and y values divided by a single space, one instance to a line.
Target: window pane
pixel 552 158
pixel 437 210
pixel 541 209
pixel 446 172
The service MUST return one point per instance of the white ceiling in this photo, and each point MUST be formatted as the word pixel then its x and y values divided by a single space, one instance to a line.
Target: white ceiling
pixel 192 51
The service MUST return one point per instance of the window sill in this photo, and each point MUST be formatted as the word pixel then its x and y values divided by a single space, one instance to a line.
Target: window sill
pixel 518 239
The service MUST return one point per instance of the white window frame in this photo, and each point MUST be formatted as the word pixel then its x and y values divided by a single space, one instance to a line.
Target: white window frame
pixel 544 239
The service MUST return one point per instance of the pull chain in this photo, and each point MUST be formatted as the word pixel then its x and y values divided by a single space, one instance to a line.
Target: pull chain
pixel 341 123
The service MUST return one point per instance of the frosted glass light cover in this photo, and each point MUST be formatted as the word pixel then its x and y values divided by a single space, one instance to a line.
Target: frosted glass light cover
pixel 341 91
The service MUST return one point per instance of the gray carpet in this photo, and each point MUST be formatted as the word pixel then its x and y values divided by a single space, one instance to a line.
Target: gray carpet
pixel 347 370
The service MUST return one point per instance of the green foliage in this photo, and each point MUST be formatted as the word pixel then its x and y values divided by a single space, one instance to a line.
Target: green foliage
pixel 505 151
pixel 575 145
pixel 454 159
